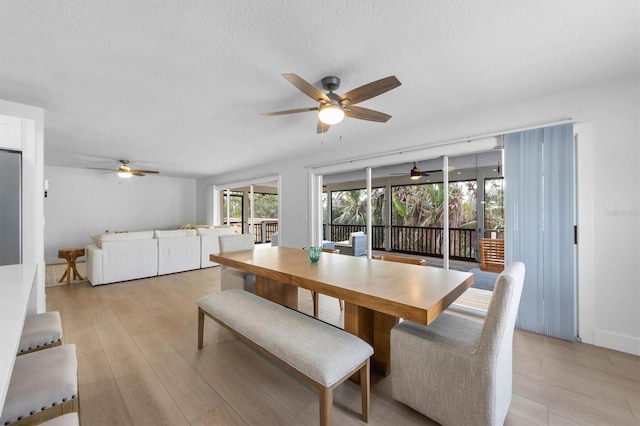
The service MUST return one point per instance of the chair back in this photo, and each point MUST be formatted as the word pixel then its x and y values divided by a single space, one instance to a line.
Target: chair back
pixel 497 331
pixel 330 250
pixel 400 259
pixel 359 243
pixel 236 242
pixel 231 277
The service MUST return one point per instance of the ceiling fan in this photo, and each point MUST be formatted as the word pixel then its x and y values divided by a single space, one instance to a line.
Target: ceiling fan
pixel 124 171
pixel 415 172
pixel 332 107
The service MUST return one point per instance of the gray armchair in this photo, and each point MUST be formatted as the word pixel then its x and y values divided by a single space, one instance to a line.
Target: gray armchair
pixel 458 371
pixel 231 277
pixel 356 245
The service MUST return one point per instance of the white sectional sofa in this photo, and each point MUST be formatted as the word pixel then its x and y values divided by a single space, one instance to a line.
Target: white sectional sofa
pixel 122 256
pixel 209 243
pixel 131 255
pixel 178 251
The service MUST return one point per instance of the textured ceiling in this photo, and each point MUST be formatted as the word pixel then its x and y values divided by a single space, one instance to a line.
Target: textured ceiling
pixel 179 85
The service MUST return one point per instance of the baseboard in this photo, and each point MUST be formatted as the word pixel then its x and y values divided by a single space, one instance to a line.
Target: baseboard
pixel 616 341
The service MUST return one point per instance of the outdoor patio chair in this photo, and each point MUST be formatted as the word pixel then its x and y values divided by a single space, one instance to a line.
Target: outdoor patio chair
pixel 356 245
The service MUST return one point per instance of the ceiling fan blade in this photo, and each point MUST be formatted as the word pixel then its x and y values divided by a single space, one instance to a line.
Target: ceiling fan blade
pixel 423 173
pixel 289 111
pixel 322 127
pixel 306 88
pixel 366 114
pixel 369 91
pixel 135 172
pixel 449 169
pixel 101 168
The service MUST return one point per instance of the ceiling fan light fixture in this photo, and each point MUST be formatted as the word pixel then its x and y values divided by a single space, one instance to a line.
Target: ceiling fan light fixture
pixel 415 173
pixel 331 114
pixel 124 172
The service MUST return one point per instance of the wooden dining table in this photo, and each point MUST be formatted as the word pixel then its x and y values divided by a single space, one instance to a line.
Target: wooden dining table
pixel 376 293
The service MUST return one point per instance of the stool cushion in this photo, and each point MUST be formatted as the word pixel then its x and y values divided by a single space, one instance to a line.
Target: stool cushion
pixel 39 380
pixel 40 330
pixel 69 419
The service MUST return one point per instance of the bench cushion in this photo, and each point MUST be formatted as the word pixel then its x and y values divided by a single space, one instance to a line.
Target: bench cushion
pixel 70 419
pixel 318 350
pixel 39 380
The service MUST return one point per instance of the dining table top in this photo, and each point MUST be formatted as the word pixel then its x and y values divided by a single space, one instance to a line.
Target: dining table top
pixel 414 292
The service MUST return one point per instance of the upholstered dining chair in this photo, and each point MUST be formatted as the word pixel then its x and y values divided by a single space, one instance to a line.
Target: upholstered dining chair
pixel 231 277
pixel 458 371
pixel 400 259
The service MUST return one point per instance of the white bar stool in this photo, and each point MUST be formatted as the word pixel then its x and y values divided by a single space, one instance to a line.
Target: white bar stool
pixel 40 331
pixel 43 385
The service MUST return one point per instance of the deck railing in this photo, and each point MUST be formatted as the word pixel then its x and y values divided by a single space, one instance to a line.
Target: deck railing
pixel 342 232
pixel 262 231
pixel 420 240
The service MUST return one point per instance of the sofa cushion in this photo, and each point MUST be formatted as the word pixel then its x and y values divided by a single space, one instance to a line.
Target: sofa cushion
pixel 175 233
pixel 125 236
pixel 222 230
pixel 210 244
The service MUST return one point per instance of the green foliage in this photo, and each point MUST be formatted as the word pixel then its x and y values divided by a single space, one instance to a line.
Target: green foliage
pixel 265 206
pixel 423 204
pixel 350 207
pixel 235 207
pixel 399 206
pixel 494 204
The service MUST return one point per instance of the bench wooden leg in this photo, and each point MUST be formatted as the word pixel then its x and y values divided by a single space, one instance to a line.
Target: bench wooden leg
pixel 314 297
pixel 326 406
pixel 200 328
pixel 365 390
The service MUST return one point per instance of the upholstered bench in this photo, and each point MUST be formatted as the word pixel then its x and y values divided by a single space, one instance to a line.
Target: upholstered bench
pixel 43 385
pixel 40 331
pixel 69 419
pixel 323 355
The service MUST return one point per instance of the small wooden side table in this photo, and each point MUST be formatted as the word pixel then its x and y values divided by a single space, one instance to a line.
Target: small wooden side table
pixel 70 255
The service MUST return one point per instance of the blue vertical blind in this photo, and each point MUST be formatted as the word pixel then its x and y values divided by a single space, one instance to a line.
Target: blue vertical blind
pixel 539 222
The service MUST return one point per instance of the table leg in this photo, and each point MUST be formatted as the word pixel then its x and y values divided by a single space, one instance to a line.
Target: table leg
pixel 374 328
pixel 382 325
pixel 276 291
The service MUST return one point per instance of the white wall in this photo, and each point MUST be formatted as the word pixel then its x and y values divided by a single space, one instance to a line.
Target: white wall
pixel 81 202
pixel 610 317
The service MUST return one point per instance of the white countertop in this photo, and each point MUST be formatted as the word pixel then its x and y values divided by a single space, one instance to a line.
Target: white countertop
pixel 16 283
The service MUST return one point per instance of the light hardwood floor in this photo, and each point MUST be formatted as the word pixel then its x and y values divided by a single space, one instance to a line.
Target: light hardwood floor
pixel 138 364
